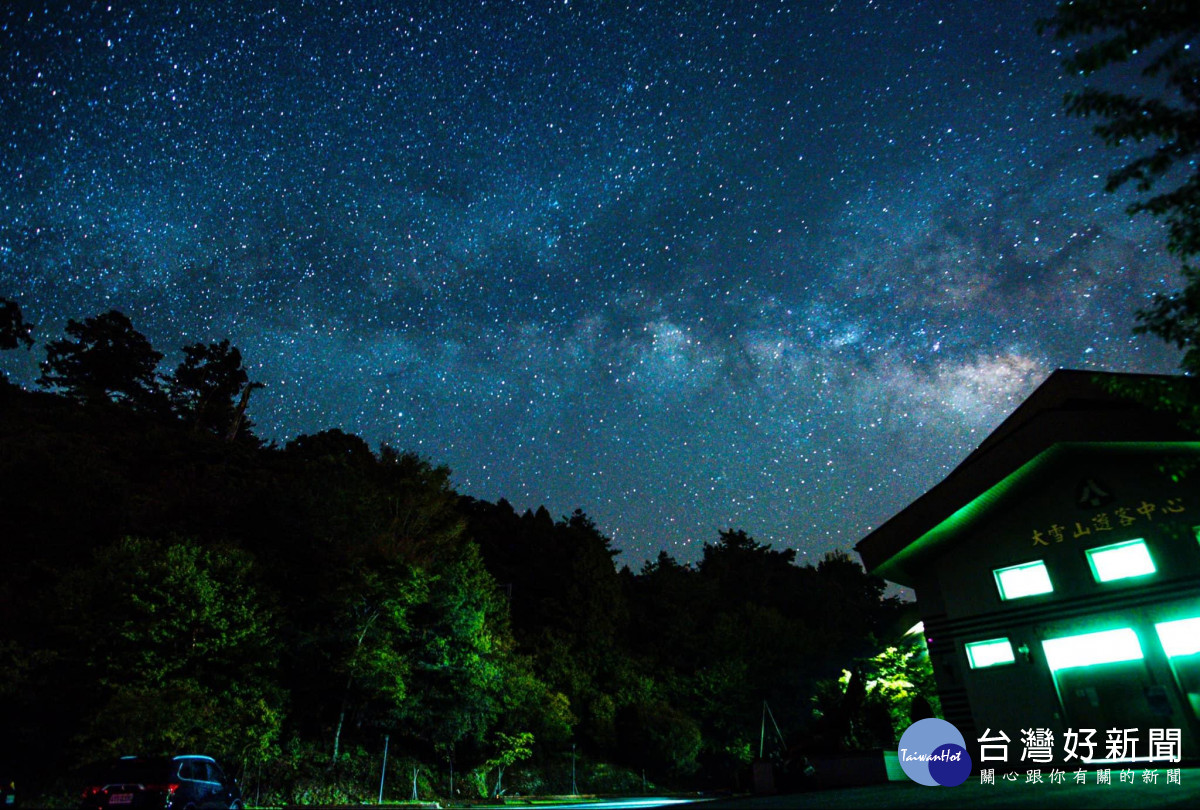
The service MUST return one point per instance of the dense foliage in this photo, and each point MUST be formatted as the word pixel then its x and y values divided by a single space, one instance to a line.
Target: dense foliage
pixel 170 583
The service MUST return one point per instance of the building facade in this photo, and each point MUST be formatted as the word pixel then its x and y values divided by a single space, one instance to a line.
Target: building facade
pixel 1057 574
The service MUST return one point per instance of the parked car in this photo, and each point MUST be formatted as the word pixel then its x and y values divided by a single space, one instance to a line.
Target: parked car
pixel 186 782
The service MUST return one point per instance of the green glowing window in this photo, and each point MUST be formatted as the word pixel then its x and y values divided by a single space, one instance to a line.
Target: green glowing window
pixel 1026 579
pixel 1090 649
pixel 991 653
pixel 1181 637
pixel 1120 561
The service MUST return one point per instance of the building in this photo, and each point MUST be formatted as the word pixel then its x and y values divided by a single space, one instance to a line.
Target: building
pixel 1057 573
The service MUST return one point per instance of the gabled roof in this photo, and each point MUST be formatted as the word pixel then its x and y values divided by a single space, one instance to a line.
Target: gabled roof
pixel 1069 406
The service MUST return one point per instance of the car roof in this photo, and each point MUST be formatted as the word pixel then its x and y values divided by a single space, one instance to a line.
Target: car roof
pixel 177 757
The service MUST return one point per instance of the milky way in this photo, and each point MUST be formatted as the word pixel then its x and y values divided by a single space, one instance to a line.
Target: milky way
pixel 686 266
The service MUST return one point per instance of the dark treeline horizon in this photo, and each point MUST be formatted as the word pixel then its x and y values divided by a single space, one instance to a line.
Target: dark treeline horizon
pixel 171 583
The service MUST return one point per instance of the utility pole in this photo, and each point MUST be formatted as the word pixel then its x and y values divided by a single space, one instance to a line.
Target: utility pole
pixel 383 770
pixel 574 790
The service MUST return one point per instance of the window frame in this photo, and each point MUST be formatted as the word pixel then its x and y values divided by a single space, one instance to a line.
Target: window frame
pixel 986 643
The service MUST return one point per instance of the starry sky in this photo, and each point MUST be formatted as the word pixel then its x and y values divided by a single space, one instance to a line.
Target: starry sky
pixel 773 266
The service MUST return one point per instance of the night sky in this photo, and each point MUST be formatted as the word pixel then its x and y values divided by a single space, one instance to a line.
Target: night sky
pixel 688 266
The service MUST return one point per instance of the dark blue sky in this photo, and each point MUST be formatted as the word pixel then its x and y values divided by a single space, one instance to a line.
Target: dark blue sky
pixel 774 266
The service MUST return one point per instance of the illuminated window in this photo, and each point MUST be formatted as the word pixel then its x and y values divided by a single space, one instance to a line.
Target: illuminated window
pixel 1090 649
pixel 1120 561
pixel 1026 579
pixel 992 653
pixel 1180 637
pixel 1180 640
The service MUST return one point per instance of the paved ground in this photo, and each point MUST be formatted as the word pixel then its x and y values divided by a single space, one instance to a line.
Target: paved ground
pixel 1068 795
pixel 1138 793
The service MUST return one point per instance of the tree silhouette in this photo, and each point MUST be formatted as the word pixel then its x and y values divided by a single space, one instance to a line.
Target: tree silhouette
pixel 13 329
pixel 205 386
pixel 107 360
pixel 1156 39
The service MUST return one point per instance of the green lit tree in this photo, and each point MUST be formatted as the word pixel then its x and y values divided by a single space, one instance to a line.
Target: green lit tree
pixel 176 650
pixel 871 705
pixel 370 635
pixel 568 613
pixel 461 655
pixel 509 749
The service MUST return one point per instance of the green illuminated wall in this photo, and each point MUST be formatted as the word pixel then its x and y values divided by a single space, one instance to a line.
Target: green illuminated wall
pixel 1035 515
